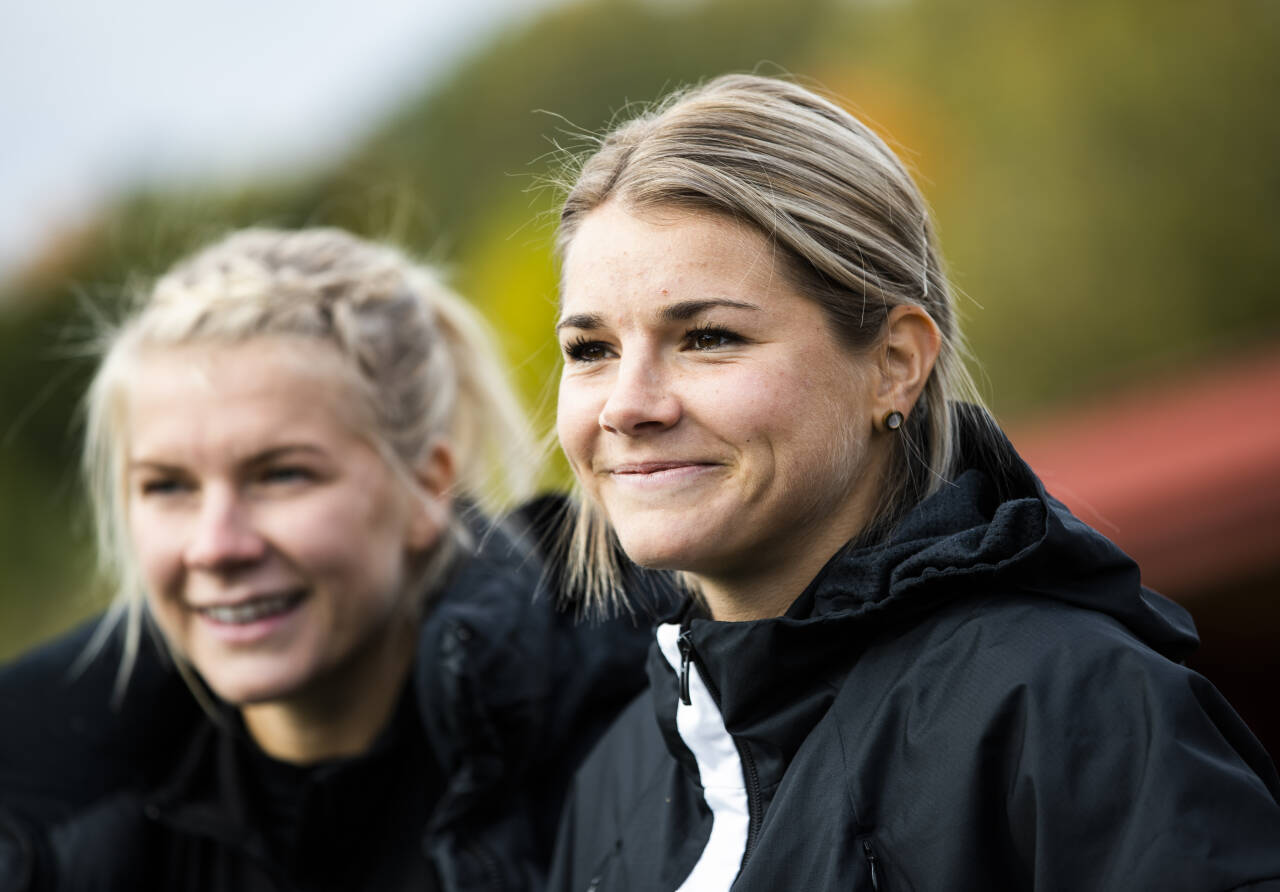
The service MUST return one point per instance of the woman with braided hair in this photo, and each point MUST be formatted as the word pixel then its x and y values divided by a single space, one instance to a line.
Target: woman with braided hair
pixel 294 444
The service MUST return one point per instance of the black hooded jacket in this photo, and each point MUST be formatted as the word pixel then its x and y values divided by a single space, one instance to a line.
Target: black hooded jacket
pixel 989 701
pixel 461 791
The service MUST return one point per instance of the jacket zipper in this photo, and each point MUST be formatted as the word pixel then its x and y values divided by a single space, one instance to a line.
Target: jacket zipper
pixel 755 807
pixel 685 643
pixel 872 861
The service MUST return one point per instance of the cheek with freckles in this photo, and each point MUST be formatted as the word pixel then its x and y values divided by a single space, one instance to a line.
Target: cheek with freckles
pixel 578 429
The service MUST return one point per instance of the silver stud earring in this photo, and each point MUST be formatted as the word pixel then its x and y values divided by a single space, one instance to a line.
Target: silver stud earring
pixel 893 420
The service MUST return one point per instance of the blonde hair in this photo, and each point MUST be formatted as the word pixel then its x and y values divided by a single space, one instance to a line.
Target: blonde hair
pixel 422 358
pixel 852 230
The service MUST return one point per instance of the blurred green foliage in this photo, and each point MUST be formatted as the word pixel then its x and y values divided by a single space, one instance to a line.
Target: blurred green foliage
pixel 1103 172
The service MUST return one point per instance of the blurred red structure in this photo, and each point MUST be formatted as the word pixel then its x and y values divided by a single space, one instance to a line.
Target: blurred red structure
pixel 1185 476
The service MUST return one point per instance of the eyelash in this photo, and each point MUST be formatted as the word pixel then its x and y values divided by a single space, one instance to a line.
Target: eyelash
pixel 578 349
pixel 163 487
pixel 287 474
pixel 727 337
pixel 277 475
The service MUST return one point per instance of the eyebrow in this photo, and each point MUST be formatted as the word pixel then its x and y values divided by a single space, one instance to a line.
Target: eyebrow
pixel 265 457
pixel 275 453
pixel 147 464
pixel 585 321
pixel 677 312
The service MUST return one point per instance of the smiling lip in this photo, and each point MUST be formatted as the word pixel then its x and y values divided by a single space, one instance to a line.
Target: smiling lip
pixel 657 467
pixel 659 473
pixel 250 619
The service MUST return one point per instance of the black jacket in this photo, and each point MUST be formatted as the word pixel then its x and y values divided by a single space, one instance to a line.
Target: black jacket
pixel 461 791
pixel 990 701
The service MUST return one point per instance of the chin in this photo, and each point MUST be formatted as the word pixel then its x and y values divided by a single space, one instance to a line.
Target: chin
pixel 664 552
pixel 246 688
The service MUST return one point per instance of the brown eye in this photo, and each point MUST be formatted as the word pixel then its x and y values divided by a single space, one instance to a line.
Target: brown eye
pixel 711 338
pixel 583 350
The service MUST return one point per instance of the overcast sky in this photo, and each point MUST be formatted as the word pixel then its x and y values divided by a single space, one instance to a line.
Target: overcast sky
pixel 97 94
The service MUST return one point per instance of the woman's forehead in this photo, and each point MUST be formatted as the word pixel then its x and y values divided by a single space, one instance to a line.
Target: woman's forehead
pixel 251 387
pixel 693 256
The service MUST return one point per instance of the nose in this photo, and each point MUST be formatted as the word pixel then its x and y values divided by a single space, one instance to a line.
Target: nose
pixel 224 536
pixel 641 399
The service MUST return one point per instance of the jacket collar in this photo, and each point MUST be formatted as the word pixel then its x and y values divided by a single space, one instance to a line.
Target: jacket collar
pixel 482 672
pixel 229 791
pixel 511 691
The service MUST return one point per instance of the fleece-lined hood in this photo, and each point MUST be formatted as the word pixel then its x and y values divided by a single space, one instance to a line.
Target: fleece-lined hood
pixel 994 526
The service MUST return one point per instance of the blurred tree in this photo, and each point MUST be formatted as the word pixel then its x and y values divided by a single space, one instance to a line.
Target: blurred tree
pixel 1103 173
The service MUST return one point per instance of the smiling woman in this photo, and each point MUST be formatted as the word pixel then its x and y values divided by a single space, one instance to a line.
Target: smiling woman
pixel 901 663
pixel 714 431
pixel 290 445
pixel 274 541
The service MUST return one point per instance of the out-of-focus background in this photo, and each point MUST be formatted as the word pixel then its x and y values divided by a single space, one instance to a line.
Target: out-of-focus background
pixel 1104 173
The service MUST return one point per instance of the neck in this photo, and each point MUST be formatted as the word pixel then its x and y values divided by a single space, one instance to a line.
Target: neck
pixel 766 592
pixel 770 582
pixel 342 715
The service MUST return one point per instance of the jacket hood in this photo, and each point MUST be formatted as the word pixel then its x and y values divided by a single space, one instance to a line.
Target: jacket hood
pixel 994 527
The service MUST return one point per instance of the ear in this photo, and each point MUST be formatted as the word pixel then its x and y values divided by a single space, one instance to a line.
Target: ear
pixel 907 354
pixel 434 477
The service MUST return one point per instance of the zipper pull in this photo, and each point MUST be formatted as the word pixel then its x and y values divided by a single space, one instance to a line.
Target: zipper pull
pixel 871 862
pixel 685 642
